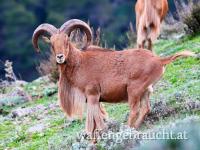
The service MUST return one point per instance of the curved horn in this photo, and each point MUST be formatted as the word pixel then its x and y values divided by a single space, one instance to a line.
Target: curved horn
pixel 40 30
pixel 73 24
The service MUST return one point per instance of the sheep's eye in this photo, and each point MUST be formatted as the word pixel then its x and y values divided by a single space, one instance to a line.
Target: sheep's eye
pixel 52 46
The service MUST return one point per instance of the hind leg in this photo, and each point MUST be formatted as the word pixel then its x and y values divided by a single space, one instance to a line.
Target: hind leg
pixel 103 112
pixel 153 35
pixel 149 46
pixel 141 36
pixel 144 109
pixel 141 46
pixel 134 110
pixel 134 95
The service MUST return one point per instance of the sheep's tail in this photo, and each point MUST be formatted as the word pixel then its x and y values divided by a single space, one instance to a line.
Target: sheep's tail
pixel 172 58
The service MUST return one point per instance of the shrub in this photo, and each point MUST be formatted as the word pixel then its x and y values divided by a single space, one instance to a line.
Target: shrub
pixel 49 67
pixel 10 75
pixel 172 28
pixel 132 36
pixel 189 13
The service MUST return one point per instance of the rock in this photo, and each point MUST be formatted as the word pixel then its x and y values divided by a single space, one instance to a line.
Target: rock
pixel 4 84
pixel 36 128
pixel 179 96
pixel 20 83
pixel 91 147
pixel 19 92
pixel 190 105
pixel 76 146
pixel 15 96
pixel 42 79
pixel 21 112
pixel 53 106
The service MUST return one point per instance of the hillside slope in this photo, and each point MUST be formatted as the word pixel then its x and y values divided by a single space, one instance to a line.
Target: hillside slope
pixel 40 124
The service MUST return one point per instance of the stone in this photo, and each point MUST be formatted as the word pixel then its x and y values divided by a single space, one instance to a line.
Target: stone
pixel 21 112
pixel 20 83
pixel 36 128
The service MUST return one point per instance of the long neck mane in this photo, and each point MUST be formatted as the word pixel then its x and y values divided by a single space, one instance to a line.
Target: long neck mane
pixel 72 100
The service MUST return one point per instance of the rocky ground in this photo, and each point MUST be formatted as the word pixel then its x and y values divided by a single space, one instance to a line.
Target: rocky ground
pixel 30 117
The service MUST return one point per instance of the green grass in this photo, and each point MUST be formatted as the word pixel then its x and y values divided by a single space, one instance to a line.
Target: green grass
pixel 182 75
pixel 117 111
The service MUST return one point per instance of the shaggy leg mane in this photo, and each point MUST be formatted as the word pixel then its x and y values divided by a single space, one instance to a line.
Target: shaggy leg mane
pixel 72 100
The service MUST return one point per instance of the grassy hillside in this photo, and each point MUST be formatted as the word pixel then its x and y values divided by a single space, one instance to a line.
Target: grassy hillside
pixel 47 128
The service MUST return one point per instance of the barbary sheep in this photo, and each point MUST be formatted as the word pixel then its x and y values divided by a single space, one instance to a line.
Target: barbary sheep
pixel 97 75
pixel 149 15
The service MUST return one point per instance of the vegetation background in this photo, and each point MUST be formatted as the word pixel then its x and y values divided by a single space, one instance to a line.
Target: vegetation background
pixel 19 18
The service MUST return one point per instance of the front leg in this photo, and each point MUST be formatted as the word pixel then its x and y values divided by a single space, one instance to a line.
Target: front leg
pixel 94 119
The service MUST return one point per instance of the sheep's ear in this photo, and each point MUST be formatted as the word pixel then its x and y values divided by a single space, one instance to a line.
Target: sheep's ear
pixel 46 39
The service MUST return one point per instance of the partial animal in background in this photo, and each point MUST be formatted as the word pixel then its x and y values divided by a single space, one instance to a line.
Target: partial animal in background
pixel 149 15
pixel 102 75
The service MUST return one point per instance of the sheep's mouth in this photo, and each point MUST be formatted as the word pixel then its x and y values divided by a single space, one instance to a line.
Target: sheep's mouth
pixel 60 59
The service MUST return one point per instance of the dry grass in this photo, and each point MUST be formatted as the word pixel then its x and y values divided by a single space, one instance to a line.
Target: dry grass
pixel 172 28
pixel 49 67
pixel 132 36
pixel 186 20
pixel 9 73
pixel 188 12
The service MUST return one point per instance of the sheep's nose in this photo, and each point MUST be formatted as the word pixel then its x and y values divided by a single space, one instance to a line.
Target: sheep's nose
pixel 60 56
